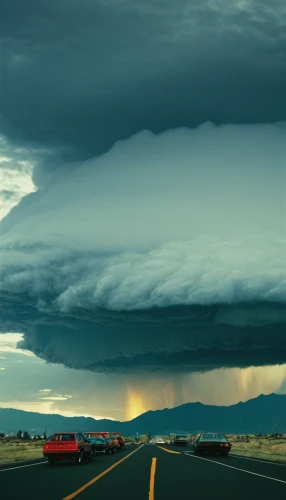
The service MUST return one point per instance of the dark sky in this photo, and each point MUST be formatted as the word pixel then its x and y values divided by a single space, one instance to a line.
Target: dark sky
pixel 79 75
pixel 165 250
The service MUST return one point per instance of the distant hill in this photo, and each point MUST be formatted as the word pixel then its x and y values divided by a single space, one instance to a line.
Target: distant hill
pixel 264 414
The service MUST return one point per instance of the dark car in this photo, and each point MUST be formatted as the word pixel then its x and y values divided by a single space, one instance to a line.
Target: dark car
pixel 212 443
pixel 111 448
pixel 98 444
pixel 71 445
pixel 181 440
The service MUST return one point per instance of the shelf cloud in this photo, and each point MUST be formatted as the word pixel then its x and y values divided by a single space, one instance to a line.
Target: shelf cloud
pixel 167 253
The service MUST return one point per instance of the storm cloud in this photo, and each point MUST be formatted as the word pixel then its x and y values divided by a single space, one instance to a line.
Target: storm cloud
pixel 167 252
pixel 77 76
pixel 16 167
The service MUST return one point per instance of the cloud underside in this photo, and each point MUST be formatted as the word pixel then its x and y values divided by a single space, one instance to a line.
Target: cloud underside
pixel 186 339
pixel 166 252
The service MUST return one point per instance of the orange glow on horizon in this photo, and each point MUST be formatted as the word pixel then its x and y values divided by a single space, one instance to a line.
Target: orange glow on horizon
pixel 223 387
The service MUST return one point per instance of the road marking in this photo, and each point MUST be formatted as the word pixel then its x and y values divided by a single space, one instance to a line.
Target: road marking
pixel 152 478
pixel 96 478
pixel 236 468
pixel 21 466
pixel 169 451
pixel 257 460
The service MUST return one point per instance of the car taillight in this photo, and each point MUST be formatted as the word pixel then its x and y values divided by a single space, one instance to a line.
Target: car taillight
pixel 204 444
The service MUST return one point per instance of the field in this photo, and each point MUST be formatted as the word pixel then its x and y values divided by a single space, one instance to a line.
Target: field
pixel 264 447
pixel 17 451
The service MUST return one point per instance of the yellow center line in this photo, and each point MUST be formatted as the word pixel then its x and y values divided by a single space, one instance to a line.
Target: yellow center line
pixel 80 490
pixel 169 451
pixel 152 478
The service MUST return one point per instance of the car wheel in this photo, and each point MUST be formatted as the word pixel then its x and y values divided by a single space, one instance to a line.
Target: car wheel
pixel 107 452
pixel 79 458
pixel 113 450
pixel 51 462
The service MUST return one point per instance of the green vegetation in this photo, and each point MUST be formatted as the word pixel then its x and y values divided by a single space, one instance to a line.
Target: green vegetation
pixel 269 447
pixel 16 451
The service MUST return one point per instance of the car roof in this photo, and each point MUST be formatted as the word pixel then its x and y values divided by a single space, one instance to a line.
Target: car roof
pixel 66 432
pixel 216 433
pixel 91 432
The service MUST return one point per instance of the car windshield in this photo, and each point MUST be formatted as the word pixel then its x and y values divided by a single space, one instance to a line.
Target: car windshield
pixel 213 437
pixel 63 437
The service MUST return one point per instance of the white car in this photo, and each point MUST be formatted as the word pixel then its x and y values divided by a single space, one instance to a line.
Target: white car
pixel 160 441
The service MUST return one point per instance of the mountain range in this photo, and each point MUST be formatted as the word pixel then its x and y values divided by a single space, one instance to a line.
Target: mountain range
pixel 264 414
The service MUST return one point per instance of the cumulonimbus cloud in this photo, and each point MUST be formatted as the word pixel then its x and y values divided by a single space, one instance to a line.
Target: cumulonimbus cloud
pixel 166 252
pixel 102 71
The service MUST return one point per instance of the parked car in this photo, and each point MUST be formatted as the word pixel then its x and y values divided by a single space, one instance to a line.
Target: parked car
pixel 95 434
pixel 212 443
pixel 105 434
pixel 119 438
pixel 98 444
pixel 115 441
pixel 110 446
pixel 181 440
pixel 67 445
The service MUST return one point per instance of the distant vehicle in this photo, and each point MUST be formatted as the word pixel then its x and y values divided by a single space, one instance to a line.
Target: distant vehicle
pixel 67 445
pixel 160 440
pixel 120 439
pixel 98 444
pixel 99 434
pixel 181 440
pixel 110 446
pixel 105 434
pixel 115 441
pixel 95 434
pixel 212 443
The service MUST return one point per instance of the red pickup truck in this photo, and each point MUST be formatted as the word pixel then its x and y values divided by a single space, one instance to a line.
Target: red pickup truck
pixel 71 445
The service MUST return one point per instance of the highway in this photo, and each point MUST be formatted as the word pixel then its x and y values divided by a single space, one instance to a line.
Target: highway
pixel 147 472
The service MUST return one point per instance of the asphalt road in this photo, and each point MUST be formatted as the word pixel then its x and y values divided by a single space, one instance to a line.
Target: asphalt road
pixel 147 473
